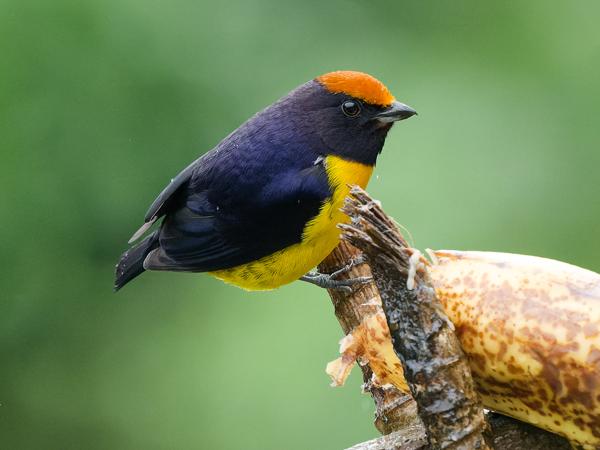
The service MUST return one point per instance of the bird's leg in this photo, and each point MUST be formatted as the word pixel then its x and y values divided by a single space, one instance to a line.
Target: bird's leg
pixel 330 281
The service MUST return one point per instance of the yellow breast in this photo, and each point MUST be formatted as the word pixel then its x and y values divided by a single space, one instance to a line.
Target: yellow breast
pixel 319 238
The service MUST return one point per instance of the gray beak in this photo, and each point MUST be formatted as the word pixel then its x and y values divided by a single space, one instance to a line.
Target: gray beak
pixel 396 111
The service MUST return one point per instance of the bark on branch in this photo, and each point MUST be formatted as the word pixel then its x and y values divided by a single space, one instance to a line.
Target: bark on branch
pixel 435 367
pixel 393 409
pixel 447 413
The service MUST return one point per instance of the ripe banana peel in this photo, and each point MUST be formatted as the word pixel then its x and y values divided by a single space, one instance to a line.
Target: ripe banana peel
pixel 530 327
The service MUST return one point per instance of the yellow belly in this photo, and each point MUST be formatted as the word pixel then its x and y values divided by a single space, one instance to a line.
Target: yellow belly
pixel 320 236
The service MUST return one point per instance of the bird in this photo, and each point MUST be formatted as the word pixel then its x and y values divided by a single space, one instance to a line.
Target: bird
pixel 262 208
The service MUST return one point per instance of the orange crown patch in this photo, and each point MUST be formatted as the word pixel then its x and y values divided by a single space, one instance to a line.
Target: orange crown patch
pixel 359 85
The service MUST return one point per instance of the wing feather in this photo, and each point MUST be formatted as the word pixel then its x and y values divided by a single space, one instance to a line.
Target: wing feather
pixel 159 205
pixel 201 237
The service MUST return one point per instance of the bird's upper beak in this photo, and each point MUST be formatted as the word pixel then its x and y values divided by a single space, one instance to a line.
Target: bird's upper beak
pixel 396 111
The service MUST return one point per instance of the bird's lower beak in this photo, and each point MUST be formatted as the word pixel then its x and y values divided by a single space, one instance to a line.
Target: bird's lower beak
pixel 396 111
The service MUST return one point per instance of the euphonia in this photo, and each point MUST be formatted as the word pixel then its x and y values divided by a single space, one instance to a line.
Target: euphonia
pixel 261 209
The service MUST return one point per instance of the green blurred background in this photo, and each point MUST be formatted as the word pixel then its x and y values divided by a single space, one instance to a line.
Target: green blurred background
pixel 102 102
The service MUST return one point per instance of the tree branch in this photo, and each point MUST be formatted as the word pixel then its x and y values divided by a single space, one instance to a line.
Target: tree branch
pixel 393 409
pixel 447 413
pixel 435 367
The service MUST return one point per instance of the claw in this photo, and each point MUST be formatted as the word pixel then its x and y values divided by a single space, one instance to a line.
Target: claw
pixel 329 282
pixel 360 259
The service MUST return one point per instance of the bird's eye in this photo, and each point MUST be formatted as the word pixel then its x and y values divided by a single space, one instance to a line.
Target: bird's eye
pixel 351 108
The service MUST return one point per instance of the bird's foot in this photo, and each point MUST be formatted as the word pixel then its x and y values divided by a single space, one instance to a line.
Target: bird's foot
pixel 331 281
pixel 360 259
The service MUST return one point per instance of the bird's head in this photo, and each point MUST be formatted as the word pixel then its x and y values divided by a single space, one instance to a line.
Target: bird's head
pixel 351 112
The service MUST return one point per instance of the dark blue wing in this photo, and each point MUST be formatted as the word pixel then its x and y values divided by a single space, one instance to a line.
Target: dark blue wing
pixel 205 234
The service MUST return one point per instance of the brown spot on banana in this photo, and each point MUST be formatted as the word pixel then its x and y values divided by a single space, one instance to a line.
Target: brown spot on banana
pixel 531 329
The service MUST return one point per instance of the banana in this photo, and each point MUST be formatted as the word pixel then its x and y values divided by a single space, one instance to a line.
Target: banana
pixel 530 327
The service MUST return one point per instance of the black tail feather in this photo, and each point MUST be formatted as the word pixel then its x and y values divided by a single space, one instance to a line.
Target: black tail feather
pixel 131 263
